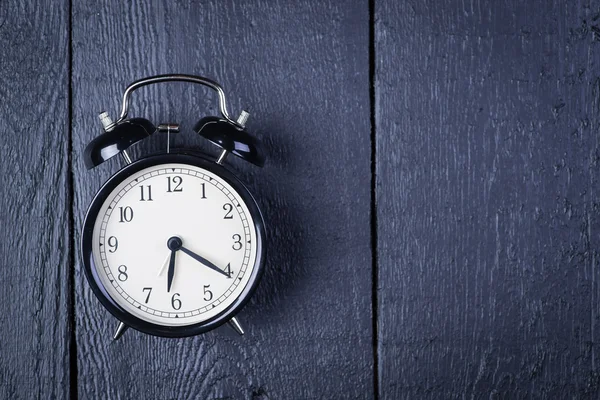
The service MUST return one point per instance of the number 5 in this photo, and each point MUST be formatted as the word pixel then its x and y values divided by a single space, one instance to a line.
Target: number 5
pixel 207 293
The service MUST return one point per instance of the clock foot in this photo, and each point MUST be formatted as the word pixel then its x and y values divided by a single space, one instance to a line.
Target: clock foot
pixel 235 324
pixel 120 331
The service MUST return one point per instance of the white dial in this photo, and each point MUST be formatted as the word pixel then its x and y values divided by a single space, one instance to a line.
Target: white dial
pixel 210 264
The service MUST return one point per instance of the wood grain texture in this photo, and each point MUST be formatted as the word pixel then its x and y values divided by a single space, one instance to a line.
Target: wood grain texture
pixel 487 117
pixel 34 202
pixel 303 73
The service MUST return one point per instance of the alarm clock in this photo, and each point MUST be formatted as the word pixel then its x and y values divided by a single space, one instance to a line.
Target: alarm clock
pixel 173 243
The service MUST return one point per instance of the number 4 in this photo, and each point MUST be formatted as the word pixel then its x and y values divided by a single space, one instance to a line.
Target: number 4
pixel 228 271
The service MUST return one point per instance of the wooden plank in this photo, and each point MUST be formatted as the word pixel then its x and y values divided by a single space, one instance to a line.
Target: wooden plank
pixel 35 201
pixel 487 150
pixel 303 73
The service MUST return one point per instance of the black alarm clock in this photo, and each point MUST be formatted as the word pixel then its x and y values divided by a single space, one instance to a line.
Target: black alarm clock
pixel 173 243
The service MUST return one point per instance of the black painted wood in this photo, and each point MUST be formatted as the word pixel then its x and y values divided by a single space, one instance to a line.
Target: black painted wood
pixel 487 121
pixel 35 248
pixel 302 71
pixel 487 117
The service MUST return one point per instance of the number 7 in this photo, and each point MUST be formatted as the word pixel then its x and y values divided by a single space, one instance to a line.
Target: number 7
pixel 149 289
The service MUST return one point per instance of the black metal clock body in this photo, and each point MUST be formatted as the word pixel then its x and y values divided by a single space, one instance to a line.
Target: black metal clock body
pixel 95 272
pixel 183 207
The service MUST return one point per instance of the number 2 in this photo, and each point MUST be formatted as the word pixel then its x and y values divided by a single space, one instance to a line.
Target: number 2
pixel 229 208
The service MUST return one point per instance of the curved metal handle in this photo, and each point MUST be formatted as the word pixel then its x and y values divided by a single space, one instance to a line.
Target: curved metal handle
pixel 178 78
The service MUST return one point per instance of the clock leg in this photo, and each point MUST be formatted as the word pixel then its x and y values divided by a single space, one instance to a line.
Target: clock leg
pixel 235 324
pixel 120 331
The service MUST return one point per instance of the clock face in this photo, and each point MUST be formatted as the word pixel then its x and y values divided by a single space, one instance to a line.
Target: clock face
pixel 174 244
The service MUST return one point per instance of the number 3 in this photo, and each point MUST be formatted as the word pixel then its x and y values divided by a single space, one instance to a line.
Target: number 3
pixel 237 244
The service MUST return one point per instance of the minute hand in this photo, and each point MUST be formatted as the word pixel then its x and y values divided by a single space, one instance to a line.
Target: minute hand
pixel 203 261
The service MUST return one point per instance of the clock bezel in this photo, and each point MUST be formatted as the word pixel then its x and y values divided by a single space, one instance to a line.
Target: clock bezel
pixel 91 272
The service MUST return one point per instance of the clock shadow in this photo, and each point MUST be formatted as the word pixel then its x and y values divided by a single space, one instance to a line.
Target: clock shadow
pixel 274 193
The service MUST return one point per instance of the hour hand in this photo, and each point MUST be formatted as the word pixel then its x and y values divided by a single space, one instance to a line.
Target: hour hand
pixel 171 272
pixel 203 261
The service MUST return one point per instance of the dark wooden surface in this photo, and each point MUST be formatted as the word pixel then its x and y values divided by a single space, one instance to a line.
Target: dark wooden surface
pixel 487 120
pixel 308 329
pixel 447 149
pixel 35 249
